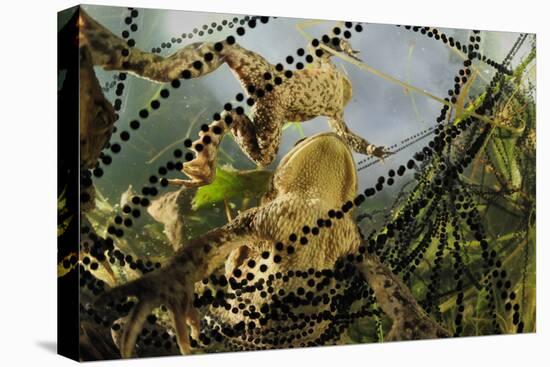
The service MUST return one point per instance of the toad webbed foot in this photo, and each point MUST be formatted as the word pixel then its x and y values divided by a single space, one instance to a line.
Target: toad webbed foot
pixel 201 168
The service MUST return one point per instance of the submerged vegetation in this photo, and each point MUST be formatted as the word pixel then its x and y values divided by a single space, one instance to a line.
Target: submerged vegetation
pixel 470 255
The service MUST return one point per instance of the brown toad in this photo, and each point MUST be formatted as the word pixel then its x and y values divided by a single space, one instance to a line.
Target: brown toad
pixel 318 174
pixel 277 96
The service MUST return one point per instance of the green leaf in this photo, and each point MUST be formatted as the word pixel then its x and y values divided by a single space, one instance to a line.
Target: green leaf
pixel 230 183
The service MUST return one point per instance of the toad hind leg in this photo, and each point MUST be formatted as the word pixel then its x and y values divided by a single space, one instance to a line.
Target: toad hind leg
pixel 113 53
pixel 202 168
pixel 192 61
